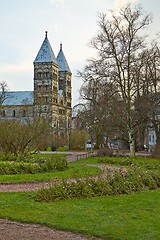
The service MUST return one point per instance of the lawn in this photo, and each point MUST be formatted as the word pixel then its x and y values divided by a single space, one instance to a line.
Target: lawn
pixel 124 217
pixel 74 170
pixel 146 163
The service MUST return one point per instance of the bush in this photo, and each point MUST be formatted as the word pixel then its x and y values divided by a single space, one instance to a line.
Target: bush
pixel 18 138
pixel 105 152
pixel 78 139
pixel 125 161
pixel 62 149
pixel 156 152
pixel 56 164
pixel 18 168
pixel 33 165
pixel 119 182
pixel 8 157
pixel 139 162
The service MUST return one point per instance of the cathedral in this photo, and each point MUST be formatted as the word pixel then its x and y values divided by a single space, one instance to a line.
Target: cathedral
pixel 52 94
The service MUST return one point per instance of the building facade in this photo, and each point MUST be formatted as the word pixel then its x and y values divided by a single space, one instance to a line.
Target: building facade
pixel 52 94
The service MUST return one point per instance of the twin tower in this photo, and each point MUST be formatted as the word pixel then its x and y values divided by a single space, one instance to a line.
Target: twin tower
pixel 52 95
pixel 52 88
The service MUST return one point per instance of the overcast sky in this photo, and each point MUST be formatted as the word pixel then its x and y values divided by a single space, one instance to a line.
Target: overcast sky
pixel 70 22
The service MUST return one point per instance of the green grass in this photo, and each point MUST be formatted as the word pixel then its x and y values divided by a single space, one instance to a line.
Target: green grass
pixel 127 217
pixel 123 217
pixel 49 154
pixel 74 170
pixel 34 155
pixel 147 163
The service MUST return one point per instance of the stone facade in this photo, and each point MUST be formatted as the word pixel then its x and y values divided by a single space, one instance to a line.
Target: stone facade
pixel 52 95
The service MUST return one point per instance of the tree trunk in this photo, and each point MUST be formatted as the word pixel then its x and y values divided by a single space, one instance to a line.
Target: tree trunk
pixel 131 142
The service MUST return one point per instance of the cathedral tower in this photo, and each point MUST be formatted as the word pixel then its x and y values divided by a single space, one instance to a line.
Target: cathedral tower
pixel 52 88
pixel 45 80
pixel 64 80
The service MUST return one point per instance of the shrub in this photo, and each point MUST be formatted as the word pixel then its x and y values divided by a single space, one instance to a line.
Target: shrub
pixel 120 182
pixel 18 168
pixel 54 164
pixel 62 149
pixel 19 138
pixel 156 152
pixel 139 162
pixel 125 161
pixel 8 157
pixel 105 152
pixel 78 139
pixel 33 165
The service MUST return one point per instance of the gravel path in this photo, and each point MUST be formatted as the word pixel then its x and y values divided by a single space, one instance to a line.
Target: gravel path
pixel 26 187
pixel 23 187
pixel 10 230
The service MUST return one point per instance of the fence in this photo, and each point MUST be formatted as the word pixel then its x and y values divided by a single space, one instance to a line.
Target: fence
pixel 85 155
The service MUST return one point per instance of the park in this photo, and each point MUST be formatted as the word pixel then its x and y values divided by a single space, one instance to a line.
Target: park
pixel 91 171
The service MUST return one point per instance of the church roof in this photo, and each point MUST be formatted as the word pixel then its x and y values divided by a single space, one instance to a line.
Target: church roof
pixel 62 62
pixel 45 53
pixel 19 98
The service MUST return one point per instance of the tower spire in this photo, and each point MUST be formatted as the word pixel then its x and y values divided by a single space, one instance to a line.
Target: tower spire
pixel 45 53
pixel 62 62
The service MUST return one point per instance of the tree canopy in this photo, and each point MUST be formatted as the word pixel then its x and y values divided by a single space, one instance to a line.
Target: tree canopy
pixel 125 71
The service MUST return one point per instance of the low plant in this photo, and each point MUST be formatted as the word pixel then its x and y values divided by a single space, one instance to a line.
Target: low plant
pixel 139 162
pixel 8 157
pixel 121 161
pixel 33 164
pixel 73 171
pixel 105 152
pixel 62 149
pixel 120 182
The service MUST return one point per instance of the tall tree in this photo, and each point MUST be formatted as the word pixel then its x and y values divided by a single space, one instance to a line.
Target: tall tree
pixel 98 96
pixel 152 78
pixel 119 45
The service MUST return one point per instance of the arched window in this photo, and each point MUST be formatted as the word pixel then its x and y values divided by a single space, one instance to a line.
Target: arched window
pixel 24 113
pixel 46 87
pixel 39 87
pixel 3 113
pixel 40 75
pixel 153 139
pixel 14 113
pixel 46 74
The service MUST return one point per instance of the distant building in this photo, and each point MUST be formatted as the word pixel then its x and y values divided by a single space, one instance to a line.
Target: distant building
pixel 151 139
pixel 52 93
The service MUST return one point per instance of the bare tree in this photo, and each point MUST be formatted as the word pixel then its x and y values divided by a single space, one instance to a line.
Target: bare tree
pixel 120 46
pixel 152 87
pixel 4 94
pixel 102 106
